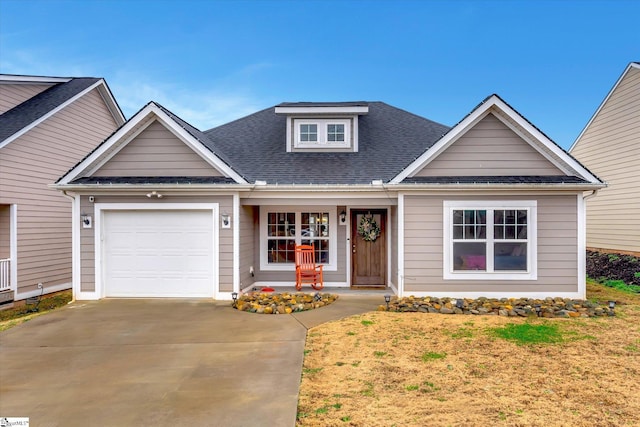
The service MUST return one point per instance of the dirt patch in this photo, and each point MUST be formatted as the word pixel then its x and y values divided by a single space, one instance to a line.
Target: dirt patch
pixel 614 267
pixel 416 369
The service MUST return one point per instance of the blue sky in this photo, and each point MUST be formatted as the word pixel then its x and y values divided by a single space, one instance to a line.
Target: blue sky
pixel 211 62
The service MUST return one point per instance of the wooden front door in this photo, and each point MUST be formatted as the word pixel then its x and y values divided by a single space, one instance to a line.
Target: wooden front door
pixel 369 256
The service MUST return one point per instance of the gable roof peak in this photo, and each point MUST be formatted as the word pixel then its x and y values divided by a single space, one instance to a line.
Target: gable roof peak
pixel 43 105
pixel 547 147
pixel 604 101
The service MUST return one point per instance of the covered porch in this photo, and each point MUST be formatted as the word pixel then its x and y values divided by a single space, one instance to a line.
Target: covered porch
pixel 355 239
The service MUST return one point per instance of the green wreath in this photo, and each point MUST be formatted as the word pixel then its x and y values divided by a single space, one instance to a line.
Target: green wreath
pixel 368 228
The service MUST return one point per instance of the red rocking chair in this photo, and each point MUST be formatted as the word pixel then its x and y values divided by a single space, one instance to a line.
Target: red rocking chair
pixel 306 269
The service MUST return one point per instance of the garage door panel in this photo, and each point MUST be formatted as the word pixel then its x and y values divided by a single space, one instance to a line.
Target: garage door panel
pixel 158 253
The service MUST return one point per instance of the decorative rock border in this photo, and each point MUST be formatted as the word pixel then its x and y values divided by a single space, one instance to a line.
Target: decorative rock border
pixel 523 307
pixel 282 303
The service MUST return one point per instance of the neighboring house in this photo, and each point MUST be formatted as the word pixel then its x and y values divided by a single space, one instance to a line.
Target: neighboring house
pixel 392 200
pixel 47 125
pixel 609 145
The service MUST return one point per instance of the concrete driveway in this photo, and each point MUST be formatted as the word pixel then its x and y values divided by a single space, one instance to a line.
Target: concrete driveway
pixel 159 362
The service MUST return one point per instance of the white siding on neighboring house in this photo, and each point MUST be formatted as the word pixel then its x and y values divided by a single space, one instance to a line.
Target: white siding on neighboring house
pixel 556 243
pixel 12 94
pixel 489 148
pixel 28 165
pixel 610 148
pixel 156 152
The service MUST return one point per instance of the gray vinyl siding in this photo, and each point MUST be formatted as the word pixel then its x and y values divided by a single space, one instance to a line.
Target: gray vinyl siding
pixel 13 94
pixel 610 148
pixel 5 223
pixel 156 151
pixel 28 165
pixel 557 247
pixel 489 148
pixel 248 229
pixel 225 235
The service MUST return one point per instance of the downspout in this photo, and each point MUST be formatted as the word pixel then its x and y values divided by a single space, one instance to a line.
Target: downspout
pixel 588 196
pixel 582 244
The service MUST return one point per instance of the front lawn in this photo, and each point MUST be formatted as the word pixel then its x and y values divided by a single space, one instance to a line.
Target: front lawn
pixel 22 313
pixel 417 369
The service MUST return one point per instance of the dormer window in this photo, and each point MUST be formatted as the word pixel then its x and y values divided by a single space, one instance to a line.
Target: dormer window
pixel 308 133
pixel 322 133
pixel 335 133
pixel 322 127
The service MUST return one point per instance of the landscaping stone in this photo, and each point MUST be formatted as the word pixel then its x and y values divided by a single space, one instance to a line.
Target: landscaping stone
pixel 282 303
pixel 510 307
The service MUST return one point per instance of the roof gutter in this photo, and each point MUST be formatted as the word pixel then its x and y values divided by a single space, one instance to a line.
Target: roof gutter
pixel 492 186
pixel 259 187
pixel 146 187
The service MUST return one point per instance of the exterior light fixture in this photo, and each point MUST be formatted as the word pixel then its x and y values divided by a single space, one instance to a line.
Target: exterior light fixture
pixel 460 303
pixel 317 296
pixel 86 220
pixel 612 306
pixel 234 296
pixel 226 220
pixel 343 217
pixel 387 299
pixel 538 310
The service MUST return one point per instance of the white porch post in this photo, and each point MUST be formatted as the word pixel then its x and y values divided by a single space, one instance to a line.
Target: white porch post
pixel 400 244
pixel 13 248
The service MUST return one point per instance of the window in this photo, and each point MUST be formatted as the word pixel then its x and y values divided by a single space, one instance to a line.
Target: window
pixel 308 133
pixel 281 227
pixel 315 230
pixel 335 133
pixel 322 133
pixel 282 230
pixel 490 240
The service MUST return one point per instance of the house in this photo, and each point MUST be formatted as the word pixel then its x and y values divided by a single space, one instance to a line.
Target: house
pixel 609 145
pixel 47 125
pixel 391 200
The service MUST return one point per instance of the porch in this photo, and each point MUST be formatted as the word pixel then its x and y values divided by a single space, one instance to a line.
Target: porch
pixel 339 290
pixel 356 262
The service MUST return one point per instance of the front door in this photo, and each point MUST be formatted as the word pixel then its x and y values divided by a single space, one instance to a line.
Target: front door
pixel 368 248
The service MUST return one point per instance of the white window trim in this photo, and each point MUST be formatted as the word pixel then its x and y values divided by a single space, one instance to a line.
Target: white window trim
pixel 333 225
pixel 322 141
pixel 532 246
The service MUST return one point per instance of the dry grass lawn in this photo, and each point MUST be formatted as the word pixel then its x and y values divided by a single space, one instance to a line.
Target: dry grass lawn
pixel 416 369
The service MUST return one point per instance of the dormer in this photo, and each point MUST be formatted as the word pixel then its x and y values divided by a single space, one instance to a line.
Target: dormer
pixel 322 126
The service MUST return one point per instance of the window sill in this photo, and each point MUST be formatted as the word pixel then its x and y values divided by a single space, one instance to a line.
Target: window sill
pixel 476 275
pixel 292 267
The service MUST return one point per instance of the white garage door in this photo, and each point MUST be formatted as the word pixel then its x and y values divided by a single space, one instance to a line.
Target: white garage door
pixel 165 253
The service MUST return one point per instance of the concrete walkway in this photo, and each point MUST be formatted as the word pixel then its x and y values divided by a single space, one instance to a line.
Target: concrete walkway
pixel 159 362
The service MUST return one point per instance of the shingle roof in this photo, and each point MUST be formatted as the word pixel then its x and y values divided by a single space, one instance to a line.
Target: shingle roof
pixel 389 140
pixel 525 179
pixel 36 107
